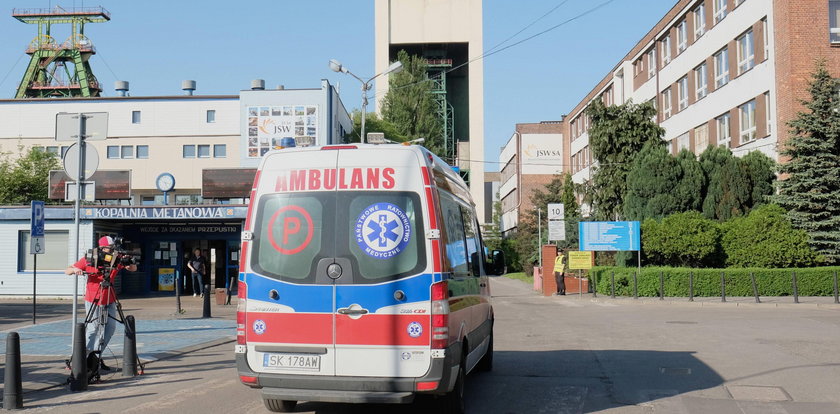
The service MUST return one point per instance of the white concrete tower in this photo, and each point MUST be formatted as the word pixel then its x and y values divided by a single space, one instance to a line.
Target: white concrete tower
pixel 448 33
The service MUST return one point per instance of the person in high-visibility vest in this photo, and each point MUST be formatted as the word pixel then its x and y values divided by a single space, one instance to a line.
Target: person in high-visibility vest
pixel 559 269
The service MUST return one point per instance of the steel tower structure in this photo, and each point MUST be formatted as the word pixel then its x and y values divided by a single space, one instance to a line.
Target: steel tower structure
pixel 60 70
pixel 436 70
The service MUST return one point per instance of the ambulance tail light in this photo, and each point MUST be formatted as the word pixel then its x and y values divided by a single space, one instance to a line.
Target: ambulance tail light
pixel 440 315
pixel 241 305
pixel 248 380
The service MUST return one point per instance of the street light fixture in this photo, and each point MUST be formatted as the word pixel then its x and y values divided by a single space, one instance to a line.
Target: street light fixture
pixel 336 66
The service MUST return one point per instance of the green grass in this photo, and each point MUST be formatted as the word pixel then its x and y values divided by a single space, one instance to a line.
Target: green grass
pixel 520 276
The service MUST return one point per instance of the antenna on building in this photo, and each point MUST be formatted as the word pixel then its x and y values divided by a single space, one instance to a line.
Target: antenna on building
pixel 51 61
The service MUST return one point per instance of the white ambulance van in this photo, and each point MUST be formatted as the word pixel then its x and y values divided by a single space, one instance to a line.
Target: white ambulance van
pixel 363 279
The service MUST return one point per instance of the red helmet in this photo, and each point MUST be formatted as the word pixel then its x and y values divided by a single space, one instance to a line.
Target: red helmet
pixel 106 241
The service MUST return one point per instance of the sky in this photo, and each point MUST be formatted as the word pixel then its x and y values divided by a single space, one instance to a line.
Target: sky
pixel 223 45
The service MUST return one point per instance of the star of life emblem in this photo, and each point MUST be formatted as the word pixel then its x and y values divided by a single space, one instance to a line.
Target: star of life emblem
pixel 382 230
pixel 259 326
pixel 415 329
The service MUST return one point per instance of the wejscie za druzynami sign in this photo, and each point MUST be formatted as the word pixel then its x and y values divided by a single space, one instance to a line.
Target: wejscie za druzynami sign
pixel 158 212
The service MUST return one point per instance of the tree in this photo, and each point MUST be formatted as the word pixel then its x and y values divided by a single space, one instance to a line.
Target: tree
pixel 734 186
pixel 616 136
pixel 681 239
pixel 571 211
pixel 711 161
pixel 410 106
pixel 811 191
pixel 373 123
pixel 26 178
pixel 762 175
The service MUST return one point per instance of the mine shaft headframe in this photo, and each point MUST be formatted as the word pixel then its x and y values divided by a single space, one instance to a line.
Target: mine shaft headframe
pixel 59 15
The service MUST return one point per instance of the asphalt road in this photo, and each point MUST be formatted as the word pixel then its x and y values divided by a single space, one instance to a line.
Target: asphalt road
pixel 558 355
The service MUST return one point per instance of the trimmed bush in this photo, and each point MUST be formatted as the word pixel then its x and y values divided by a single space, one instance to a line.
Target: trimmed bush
pixel 682 239
pixel 815 281
pixel 765 238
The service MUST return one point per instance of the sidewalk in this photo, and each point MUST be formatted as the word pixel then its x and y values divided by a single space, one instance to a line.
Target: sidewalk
pixel 822 302
pixel 162 332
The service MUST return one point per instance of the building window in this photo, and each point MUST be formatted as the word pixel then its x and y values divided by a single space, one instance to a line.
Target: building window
pixel 113 151
pixel 203 151
pixel 143 151
pixel 683 142
pixel 52 149
pixel 834 20
pixel 700 80
pixel 55 251
pixel 127 151
pixel 721 68
pixel 64 149
pixel 747 121
pixel 699 21
pixel 701 138
pixel 723 135
pixel 682 90
pixel 746 52
pixel 767 113
pixel 135 117
pixel 211 116
pixel 666 103
pixel 665 43
pixel 651 61
pixel 719 9
pixel 765 29
pixel 189 151
pixel 219 151
pixel 682 36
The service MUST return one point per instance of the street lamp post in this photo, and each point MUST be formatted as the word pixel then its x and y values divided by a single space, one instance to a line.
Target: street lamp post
pixel 336 66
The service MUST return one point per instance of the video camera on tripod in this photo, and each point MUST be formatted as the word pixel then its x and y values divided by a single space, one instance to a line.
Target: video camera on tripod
pixel 107 258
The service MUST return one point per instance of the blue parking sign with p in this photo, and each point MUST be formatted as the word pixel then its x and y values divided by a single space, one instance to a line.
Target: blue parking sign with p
pixel 37 223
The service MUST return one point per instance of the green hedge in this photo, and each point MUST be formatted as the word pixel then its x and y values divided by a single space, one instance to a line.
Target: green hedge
pixel 818 281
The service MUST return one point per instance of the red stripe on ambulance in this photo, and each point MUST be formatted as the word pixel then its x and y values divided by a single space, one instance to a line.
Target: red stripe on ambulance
pixel 375 329
pixel 291 328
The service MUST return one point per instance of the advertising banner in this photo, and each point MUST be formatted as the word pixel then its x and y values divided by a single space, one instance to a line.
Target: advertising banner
pixel 267 125
pixel 166 279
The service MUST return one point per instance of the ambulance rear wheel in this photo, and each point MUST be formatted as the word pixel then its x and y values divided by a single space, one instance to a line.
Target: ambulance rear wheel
pixel 453 401
pixel 280 406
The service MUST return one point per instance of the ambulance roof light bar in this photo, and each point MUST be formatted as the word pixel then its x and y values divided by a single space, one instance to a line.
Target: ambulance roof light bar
pixel 376 138
pixel 303 141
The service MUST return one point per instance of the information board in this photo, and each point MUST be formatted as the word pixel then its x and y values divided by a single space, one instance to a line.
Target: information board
pixel 605 236
pixel 580 260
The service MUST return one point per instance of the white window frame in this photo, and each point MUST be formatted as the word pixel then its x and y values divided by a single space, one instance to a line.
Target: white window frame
pixel 766 29
pixel 721 59
pixel 720 10
pixel 666 103
pixel 211 116
pixel 110 148
pixel 137 152
pixel 767 113
pixel 200 147
pixel 746 51
pixel 701 81
pixel 184 152
pixel 834 21
pixel 746 119
pixel 665 43
pixel 127 151
pixel 699 21
pixel 724 133
pixel 136 117
pixel 683 142
pixel 701 138
pixel 682 90
pixel 682 36
pixel 217 147
pixel 651 63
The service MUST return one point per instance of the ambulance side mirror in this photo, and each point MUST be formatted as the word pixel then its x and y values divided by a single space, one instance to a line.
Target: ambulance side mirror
pixel 497 263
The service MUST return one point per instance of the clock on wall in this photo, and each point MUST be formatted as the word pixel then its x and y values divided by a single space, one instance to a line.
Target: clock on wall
pixel 165 182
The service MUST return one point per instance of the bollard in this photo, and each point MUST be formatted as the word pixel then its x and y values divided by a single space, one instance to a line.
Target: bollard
pixel 178 295
pixel 691 287
pixel 78 363
pixel 755 288
pixel 661 286
pixel 130 348
pixel 635 286
pixel 12 388
pixel 206 302
pixel 795 288
pixel 722 287
pixel 836 298
pixel 612 284
pixel 594 284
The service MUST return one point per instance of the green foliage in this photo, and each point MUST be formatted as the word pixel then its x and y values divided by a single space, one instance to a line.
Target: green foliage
pixel 659 184
pixel 733 186
pixel 26 178
pixel 681 239
pixel 811 191
pixel 761 170
pixel 493 240
pixel 561 189
pixel 616 136
pixel 711 161
pixel 765 238
pixel 735 190
pixel 707 282
pixel 373 123
pixel 410 106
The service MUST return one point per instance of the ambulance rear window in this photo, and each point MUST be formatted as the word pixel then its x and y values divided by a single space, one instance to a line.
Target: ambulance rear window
pixel 381 233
